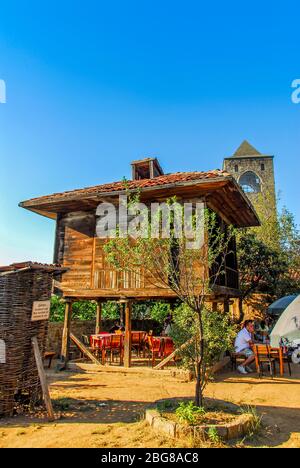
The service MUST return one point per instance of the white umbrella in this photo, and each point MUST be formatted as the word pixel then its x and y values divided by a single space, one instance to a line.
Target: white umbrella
pixel 288 325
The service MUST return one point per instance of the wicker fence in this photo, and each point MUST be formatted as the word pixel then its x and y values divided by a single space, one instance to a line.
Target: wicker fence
pixel 20 286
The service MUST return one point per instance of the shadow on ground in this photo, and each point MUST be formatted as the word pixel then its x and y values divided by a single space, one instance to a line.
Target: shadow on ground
pixel 82 406
pixel 278 423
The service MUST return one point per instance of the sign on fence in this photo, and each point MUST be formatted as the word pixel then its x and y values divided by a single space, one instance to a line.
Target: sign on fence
pixel 40 310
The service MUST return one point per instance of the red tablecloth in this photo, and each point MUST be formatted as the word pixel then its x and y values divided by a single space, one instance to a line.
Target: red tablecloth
pixel 97 341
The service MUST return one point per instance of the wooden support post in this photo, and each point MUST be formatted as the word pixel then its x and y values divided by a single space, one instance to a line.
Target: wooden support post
pixel 122 320
pixel 226 306
pixel 98 317
pixel 66 332
pixel 127 340
pixel 93 264
pixel 43 379
pixel 234 309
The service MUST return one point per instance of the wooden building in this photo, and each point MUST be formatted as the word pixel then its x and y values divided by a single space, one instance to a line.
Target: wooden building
pixel 77 247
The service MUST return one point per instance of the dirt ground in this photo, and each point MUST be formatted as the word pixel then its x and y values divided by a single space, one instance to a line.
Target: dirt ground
pixel 105 409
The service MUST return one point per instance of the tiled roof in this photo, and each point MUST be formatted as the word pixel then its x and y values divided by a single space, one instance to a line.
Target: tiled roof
pixel 245 150
pixel 30 266
pixel 174 178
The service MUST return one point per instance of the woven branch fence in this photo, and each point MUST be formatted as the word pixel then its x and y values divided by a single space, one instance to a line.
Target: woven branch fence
pixel 19 381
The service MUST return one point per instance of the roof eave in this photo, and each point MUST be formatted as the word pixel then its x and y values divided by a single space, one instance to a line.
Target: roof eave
pixel 112 193
pixel 32 204
pixel 250 156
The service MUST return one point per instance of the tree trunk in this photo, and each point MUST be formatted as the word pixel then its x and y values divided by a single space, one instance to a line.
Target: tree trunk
pixel 198 392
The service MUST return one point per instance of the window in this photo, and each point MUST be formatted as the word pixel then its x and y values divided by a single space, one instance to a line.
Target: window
pixel 262 166
pixel 236 168
pixel 250 182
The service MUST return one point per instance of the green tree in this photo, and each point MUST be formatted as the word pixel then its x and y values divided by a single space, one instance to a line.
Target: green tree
pixel 269 265
pixel 269 231
pixel 57 309
pixel 260 266
pixel 170 263
pixel 82 310
pixel 218 335
pixel 289 282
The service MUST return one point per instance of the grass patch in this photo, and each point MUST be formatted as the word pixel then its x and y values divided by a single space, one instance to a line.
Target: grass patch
pixel 186 412
pixel 256 423
pixel 213 436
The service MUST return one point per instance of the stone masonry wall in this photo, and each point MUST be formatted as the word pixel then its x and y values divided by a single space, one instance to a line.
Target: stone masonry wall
pixel 254 164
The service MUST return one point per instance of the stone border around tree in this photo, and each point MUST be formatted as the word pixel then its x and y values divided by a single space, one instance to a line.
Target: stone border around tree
pixel 233 430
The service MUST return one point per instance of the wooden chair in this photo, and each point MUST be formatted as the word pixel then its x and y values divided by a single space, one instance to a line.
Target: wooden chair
pixel 155 348
pixel 104 347
pixel 87 341
pixel 49 355
pixel 91 342
pixel 286 358
pixel 263 355
pixel 116 347
pixel 145 344
pixel 168 347
pixel 281 358
pixel 137 341
pixel 234 357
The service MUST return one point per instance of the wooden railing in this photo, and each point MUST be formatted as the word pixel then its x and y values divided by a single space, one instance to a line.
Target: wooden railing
pixel 113 279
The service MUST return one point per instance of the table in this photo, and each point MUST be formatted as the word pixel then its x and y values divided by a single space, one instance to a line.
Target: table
pixel 278 354
pixel 166 344
pixel 97 340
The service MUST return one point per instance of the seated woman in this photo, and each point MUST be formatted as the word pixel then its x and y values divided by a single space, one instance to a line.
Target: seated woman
pixel 116 327
pixel 262 332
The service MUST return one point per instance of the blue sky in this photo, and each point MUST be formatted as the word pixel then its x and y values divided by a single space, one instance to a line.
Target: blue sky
pixel 93 85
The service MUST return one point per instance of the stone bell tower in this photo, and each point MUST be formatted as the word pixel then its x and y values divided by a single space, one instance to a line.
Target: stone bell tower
pixel 255 174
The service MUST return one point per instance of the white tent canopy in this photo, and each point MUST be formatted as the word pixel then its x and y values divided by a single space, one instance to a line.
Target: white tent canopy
pixel 288 325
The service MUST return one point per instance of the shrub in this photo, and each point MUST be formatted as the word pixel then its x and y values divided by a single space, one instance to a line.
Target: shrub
pixel 218 334
pixel 213 435
pixel 189 412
